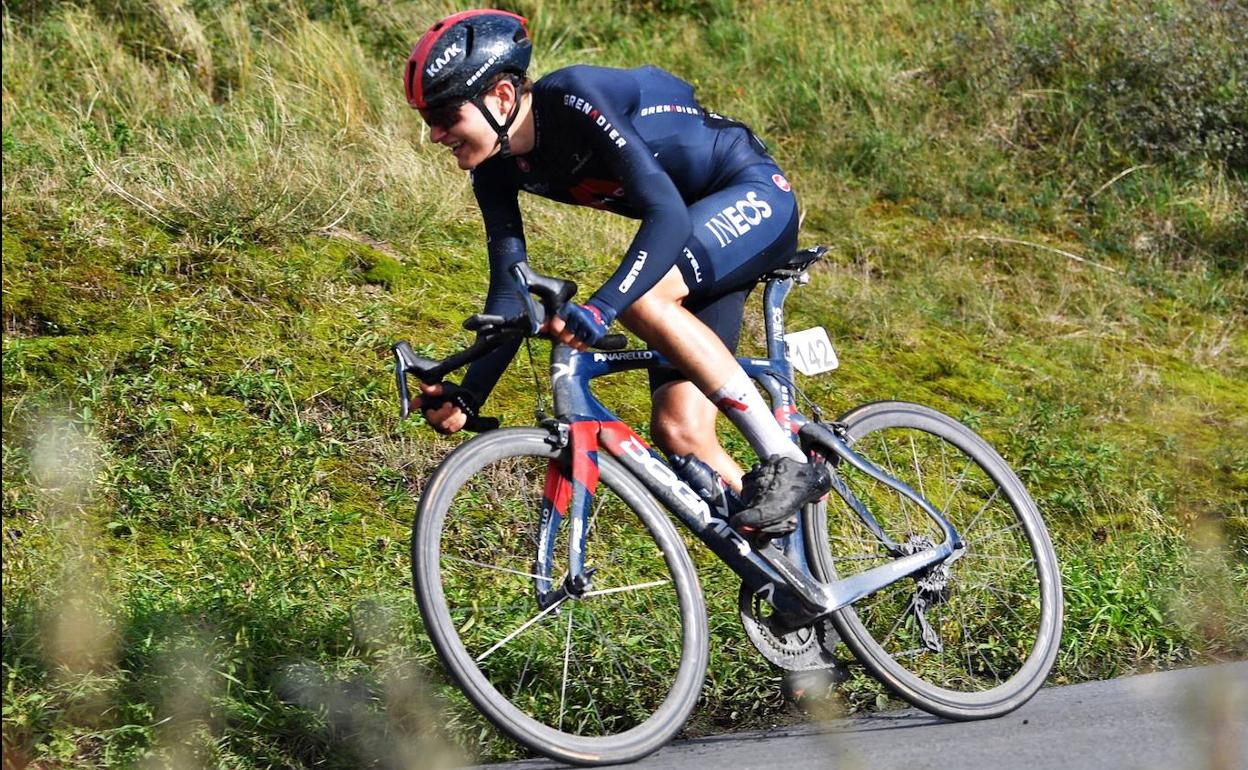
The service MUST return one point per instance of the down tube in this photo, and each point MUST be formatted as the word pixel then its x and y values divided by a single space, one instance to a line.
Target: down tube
pixel 644 463
pixel 571 374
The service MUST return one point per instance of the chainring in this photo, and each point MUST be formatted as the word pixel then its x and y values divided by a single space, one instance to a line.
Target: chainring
pixel 806 649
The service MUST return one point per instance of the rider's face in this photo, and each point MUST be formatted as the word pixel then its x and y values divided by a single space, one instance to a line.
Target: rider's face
pixel 465 131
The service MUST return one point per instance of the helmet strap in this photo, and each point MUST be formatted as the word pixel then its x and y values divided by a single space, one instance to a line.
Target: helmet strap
pixel 504 140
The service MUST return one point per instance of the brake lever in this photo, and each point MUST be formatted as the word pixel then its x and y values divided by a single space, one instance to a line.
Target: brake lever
pixel 536 313
pixel 483 323
pixel 400 375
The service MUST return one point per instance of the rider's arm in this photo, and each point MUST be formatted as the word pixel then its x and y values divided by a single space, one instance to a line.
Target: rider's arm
pixel 599 110
pixel 504 232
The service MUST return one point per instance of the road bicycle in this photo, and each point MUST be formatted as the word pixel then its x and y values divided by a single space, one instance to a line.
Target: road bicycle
pixel 564 603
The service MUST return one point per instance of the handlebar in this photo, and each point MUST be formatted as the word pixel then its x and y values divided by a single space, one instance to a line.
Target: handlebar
pixel 492 332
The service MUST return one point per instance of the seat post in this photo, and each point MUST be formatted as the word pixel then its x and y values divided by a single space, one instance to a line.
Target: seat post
pixel 774 294
pixel 778 284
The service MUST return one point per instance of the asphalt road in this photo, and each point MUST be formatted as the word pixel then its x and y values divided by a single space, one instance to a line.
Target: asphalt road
pixel 1190 718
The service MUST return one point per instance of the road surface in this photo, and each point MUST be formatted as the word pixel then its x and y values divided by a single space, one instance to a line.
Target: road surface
pixel 1189 718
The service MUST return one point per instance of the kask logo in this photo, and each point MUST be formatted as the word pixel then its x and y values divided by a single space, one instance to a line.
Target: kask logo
pixel 444 59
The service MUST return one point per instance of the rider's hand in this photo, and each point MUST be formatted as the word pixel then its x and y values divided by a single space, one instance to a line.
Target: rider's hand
pixel 584 325
pixel 447 418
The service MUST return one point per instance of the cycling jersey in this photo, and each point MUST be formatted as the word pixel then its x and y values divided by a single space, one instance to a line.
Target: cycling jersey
pixel 636 142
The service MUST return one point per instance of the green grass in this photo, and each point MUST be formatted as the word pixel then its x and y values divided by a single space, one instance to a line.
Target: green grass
pixel 217 216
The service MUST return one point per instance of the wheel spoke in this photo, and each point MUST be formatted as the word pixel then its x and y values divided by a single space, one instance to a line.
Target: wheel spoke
pixel 982 508
pixel 528 659
pixel 1025 561
pixel 589 693
pixel 563 691
pixel 991 591
pixel 914 455
pixel 901 617
pixel 519 630
pixel 622 589
pixel 493 567
pixel 1003 530
pixel 956 487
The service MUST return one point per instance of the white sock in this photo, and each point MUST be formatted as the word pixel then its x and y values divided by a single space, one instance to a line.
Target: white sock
pixel 741 402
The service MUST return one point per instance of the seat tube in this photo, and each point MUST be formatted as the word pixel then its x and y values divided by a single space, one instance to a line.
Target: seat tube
pixel 774 295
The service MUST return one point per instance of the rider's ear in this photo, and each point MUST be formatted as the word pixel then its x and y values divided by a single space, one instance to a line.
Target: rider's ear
pixel 505 91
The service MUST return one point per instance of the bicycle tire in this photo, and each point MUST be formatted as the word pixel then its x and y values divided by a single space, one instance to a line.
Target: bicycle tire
pixel 986 581
pixel 455 509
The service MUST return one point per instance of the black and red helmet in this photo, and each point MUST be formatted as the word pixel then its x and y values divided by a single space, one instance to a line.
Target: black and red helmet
pixel 461 54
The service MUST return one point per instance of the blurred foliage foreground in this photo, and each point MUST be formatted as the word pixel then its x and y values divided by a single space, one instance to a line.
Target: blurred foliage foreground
pixel 217 215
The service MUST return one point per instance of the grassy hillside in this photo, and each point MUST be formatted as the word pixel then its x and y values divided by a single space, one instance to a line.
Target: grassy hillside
pixel 217 216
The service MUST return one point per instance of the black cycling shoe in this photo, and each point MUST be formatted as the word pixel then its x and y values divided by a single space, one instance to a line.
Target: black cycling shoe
pixel 774 493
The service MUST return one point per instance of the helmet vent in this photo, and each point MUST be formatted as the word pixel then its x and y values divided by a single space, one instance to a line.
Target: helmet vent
pixel 412 78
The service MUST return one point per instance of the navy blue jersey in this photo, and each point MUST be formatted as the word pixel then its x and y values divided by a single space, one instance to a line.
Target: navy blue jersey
pixel 635 142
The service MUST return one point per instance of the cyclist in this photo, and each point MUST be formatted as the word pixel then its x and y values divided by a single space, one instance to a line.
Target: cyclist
pixel 716 213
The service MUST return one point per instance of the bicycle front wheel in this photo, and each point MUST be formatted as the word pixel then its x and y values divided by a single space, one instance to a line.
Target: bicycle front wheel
pixel 975 636
pixel 608 677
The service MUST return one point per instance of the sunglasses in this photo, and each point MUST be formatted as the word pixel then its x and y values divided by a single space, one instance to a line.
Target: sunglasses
pixel 443 117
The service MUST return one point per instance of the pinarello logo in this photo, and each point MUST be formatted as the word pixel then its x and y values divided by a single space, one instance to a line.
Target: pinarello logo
pixel 781 182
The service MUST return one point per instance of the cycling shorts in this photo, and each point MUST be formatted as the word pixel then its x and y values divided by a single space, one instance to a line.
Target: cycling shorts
pixel 740 232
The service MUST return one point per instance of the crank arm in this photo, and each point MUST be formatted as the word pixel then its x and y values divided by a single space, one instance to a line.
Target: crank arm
pixel 810 592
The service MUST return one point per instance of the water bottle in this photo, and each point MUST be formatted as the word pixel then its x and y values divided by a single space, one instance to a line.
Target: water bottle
pixel 708 485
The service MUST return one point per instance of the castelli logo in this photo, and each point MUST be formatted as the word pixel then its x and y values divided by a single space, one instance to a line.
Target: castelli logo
pixel 523 165
pixel 444 59
pixel 781 182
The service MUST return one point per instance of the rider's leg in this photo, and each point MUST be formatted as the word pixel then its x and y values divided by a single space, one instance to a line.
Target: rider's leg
pixel 683 419
pixel 682 422
pixel 739 233
pixel 663 322
pixel 786 481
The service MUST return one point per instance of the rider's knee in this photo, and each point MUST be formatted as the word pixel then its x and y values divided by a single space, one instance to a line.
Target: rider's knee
pixel 648 310
pixel 655 306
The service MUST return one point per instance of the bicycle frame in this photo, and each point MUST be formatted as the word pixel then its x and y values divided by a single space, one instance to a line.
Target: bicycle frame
pixel 780 576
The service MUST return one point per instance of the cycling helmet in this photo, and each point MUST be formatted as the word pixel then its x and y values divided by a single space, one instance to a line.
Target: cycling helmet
pixel 460 55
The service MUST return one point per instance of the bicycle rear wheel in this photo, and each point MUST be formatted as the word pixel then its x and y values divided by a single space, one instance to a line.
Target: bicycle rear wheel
pixel 975 636
pixel 608 677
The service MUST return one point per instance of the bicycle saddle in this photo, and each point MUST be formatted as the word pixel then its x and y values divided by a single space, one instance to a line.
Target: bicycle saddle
pixel 801 259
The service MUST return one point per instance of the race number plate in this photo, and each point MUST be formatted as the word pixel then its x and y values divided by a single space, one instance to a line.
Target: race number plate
pixel 810 351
